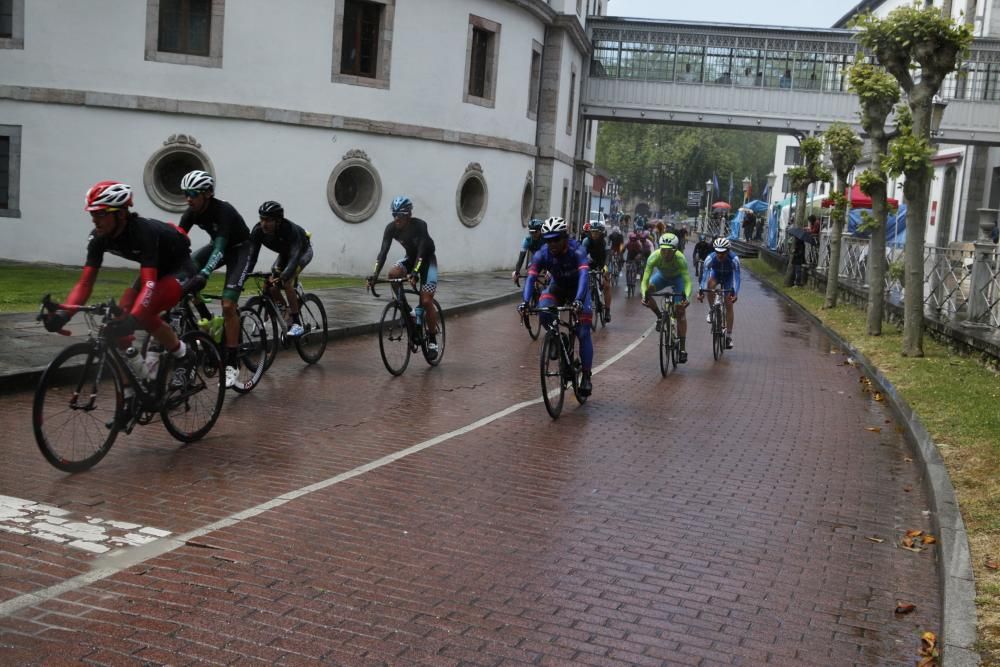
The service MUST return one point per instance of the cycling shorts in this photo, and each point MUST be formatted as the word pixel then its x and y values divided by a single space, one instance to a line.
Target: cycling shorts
pixel 236 259
pixel 428 272
pixel 658 281
pixel 282 261
pixel 720 284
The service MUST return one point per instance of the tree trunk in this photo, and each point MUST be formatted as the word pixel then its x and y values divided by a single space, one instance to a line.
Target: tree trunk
pixel 800 217
pixel 876 257
pixel 833 268
pixel 917 191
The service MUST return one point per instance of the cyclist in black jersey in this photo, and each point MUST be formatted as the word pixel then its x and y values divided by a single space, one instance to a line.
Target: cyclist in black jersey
pixel 419 260
pixel 291 242
pixel 597 249
pixel 532 243
pixel 163 252
pixel 229 247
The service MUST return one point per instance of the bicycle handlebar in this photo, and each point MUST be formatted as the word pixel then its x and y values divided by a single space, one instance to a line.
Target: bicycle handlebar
pixel 370 286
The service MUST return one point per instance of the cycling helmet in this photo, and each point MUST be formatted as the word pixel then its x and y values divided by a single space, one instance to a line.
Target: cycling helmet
pixel 402 206
pixel 554 228
pixel 721 244
pixel 108 196
pixel 586 228
pixel 271 209
pixel 197 180
pixel 598 227
pixel 669 240
pixel 535 225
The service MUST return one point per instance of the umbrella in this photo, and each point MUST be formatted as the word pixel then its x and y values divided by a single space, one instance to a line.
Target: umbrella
pixel 756 205
pixel 860 200
pixel 721 204
pixel 803 235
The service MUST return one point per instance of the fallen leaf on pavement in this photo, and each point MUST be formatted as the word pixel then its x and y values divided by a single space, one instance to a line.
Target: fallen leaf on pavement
pixel 874 429
pixel 929 539
pixel 878 396
pixel 873 538
pixel 914 533
pixel 928 649
pixel 908 460
pixel 904 607
pixel 992 565
pixel 907 488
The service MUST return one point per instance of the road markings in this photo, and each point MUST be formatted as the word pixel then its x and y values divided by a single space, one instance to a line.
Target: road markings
pixel 114 562
pixel 26 517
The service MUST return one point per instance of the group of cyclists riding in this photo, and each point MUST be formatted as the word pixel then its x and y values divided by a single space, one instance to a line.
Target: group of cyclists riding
pixel 549 253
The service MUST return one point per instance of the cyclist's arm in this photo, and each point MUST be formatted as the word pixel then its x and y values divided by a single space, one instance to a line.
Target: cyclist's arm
pixel 520 260
pixel 683 267
pixel 533 270
pixel 647 273
pixel 294 255
pixel 81 291
pixel 383 251
pixel 255 243
pixel 736 275
pixel 706 270
pixel 425 247
pixel 218 252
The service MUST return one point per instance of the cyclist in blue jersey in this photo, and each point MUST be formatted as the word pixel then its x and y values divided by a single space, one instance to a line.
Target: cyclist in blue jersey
pixel 597 249
pixel 722 271
pixel 531 244
pixel 568 268
pixel 668 268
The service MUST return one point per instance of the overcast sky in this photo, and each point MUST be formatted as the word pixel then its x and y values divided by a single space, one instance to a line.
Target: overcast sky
pixel 801 13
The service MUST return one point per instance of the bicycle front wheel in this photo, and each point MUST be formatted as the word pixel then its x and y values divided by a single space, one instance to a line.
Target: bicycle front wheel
pixel 550 365
pixel 532 323
pixel 718 334
pixel 195 388
pixel 441 336
pixel 75 409
pixel 312 344
pixel 597 307
pixel 252 351
pixel 268 314
pixel 393 339
pixel 665 345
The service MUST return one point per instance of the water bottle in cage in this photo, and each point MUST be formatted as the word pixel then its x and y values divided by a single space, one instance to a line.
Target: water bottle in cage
pixel 418 315
pixel 136 363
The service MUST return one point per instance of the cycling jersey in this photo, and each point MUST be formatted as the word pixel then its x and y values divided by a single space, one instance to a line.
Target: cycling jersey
pixel 414 238
pixel 529 247
pixel 219 219
pixel 290 241
pixel 598 253
pixel 725 271
pixel 151 243
pixel 669 270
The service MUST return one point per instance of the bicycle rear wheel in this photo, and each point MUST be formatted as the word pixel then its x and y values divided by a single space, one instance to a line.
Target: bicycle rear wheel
pixel 312 344
pixel 553 387
pixel 630 278
pixel 574 369
pixel 441 336
pixel 532 323
pixel 269 315
pixel 597 308
pixel 665 344
pixel 75 410
pixel 252 351
pixel 393 339
pixel 193 393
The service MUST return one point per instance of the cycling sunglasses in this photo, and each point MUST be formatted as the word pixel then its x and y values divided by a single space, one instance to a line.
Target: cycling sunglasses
pixel 192 193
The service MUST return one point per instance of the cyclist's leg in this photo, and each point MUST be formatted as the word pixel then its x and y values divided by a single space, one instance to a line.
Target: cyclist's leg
pixel 289 285
pixel 199 258
pixel 656 282
pixel 428 288
pixel 711 284
pixel 237 263
pixel 606 279
pixel 586 344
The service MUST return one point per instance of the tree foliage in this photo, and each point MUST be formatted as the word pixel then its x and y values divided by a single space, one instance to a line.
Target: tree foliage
pixel 845 150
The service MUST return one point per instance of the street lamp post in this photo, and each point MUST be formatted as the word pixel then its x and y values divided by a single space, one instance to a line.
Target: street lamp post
pixel 708 203
pixel 746 189
pixel 771 178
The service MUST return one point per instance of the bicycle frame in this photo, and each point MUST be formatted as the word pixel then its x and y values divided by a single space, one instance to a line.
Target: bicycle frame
pixel 399 296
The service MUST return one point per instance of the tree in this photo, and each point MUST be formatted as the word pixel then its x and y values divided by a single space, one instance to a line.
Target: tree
pixel 878 92
pixel 845 151
pixel 800 177
pixel 919 47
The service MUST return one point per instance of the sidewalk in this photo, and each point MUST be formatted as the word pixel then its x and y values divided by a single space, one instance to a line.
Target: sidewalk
pixel 26 347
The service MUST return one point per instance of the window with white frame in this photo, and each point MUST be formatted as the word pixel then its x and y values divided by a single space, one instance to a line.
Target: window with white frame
pixel 792 155
pixel 534 79
pixel 11 24
pixel 10 171
pixel 362 42
pixel 185 32
pixel 481 61
pixel 572 100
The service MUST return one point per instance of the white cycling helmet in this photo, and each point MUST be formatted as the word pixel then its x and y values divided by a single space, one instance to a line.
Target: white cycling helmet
pixel 669 240
pixel 108 196
pixel 554 228
pixel 197 180
pixel 721 244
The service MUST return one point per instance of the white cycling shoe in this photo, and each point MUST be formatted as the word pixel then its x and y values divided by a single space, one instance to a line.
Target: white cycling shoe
pixel 295 331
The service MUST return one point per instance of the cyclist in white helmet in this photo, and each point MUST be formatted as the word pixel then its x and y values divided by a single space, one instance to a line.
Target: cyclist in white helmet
pixel 722 271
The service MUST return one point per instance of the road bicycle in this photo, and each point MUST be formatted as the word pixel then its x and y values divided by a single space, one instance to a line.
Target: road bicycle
pixel 252 346
pixel 312 343
pixel 531 323
pixel 80 404
pixel 632 275
pixel 717 319
pixel 669 347
pixel 596 298
pixel 615 267
pixel 400 333
pixel 559 365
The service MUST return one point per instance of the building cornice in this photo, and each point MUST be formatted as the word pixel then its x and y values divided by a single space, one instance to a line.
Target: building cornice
pixel 537 8
pixel 574 29
pixel 146 103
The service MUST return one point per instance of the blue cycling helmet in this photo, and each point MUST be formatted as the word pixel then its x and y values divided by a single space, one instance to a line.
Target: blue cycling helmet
pixel 535 225
pixel 402 206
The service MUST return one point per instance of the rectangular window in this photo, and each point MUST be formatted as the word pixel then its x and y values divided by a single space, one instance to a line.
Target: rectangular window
pixel 359 48
pixel 7 18
pixel 590 132
pixel 534 80
pixel 579 7
pixel 565 197
pixel 10 170
pixel 11 24
pixel 572 103
pixel 185 27
pixel 785 183
pixel 185 32
pixel 481 61
pixel 792 155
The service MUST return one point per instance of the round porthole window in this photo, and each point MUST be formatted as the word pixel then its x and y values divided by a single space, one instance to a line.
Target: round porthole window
pixel 472 196
pixel 354 188
pixel 527 200
pixel 163 172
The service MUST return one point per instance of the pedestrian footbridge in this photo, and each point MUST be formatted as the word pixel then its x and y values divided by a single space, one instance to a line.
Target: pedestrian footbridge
pixel 760 77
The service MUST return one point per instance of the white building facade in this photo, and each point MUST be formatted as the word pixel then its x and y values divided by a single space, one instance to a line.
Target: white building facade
pixel 331 107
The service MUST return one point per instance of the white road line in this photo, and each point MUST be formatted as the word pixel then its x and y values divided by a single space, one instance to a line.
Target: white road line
pixel 113 563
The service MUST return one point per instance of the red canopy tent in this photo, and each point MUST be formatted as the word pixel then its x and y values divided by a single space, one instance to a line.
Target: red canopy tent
pixel 860 200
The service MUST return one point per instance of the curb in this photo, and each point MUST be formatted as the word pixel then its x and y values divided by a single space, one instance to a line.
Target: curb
pixel 25 378
pixel 958 586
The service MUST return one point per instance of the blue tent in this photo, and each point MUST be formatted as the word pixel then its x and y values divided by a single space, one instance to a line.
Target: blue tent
pixel 757 206
pixel 736 224
pixel 895 225
pixel 772 228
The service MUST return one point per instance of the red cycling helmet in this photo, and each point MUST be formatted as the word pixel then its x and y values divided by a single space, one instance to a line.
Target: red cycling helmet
pixel 108 196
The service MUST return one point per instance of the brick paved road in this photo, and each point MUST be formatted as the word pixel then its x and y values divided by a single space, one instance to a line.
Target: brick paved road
pixel 718 516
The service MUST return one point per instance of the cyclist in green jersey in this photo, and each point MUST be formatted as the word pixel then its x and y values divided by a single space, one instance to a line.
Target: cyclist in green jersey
pixel 668 268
